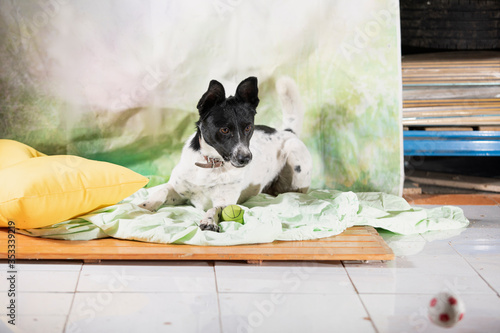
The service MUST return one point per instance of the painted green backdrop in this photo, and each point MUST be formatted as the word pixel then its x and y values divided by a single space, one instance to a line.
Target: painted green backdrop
pixel 118 81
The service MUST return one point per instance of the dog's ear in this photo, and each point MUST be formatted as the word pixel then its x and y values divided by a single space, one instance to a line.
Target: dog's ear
pixel 248 92
pixel 213 96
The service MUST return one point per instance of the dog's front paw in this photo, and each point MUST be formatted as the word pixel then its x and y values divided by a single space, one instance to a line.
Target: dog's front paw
pixel 157 198
pixel 209 225
pixel 151 205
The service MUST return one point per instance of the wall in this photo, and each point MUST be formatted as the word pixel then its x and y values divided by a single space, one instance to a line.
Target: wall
pixel 119 80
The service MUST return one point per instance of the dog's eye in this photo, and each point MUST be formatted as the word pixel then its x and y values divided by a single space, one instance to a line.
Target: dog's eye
pixel 224 130
pixel 248 128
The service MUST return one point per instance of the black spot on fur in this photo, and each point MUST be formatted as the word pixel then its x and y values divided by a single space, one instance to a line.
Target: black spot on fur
pixel 265 129
pixel 289 130
pixel 297 169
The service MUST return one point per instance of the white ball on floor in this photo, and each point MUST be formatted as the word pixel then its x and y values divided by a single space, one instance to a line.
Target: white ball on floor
pixel 446 309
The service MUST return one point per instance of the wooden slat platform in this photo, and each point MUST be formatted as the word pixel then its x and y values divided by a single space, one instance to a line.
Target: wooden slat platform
pixel 356 243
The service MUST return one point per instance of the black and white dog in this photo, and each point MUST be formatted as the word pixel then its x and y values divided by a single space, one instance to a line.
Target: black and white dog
pixel 229 159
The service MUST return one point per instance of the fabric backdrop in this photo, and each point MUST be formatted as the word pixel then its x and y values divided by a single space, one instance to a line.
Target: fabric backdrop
pixel 119 81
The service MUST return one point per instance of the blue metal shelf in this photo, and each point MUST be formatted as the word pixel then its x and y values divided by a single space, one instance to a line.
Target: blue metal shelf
pixel 451 143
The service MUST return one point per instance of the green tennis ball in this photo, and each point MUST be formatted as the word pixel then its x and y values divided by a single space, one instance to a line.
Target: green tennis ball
pixel 233 213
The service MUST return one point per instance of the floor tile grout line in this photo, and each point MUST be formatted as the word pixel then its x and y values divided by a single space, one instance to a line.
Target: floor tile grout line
pixel 475 270
pixel 360 299
pixel 73 298
pixel 218 299
pixel 147 292
pixel 224 293
pixel 368 313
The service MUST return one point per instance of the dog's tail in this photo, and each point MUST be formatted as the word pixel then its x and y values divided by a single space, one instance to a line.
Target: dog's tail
pixel 291 103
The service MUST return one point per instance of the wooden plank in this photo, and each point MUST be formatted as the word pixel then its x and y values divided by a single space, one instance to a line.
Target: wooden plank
pixel 450 81
pixel 356 243
pixel 453 121
pixel 444 111
pixel 453 199
pixel 452 112
pixel 451 68
pixel 441 101
pixel 455 181
pixel 450 102
pixel 411 94
pixel 447 129
pixel 411 188
pixel 489 128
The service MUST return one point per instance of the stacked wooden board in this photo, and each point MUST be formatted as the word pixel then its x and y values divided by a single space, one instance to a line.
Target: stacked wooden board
pixel 453 112
pixel 450 93
pixel 451 89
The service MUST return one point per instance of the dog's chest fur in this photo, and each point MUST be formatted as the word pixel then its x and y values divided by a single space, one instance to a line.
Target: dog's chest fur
pixel 202 186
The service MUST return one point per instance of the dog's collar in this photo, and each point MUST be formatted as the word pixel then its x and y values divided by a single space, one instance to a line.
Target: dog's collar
pixel 211 163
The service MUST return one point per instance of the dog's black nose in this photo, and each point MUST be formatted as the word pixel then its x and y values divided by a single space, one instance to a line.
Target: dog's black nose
pixel 244 159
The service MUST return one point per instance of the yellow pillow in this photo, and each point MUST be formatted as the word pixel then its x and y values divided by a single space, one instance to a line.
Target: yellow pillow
pixel 45 190
pixel 13 152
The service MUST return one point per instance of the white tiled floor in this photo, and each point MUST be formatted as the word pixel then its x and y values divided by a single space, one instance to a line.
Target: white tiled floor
pixel 275 297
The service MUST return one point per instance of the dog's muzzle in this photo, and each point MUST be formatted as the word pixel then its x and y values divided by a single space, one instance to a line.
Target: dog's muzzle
pixel 241 158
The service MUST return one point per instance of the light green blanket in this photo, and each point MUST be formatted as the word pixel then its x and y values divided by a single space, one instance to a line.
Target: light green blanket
pixel 290 216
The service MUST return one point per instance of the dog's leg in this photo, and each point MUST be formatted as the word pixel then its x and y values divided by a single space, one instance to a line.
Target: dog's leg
pixel 222 196
pixel 211 219
pixel 162 194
